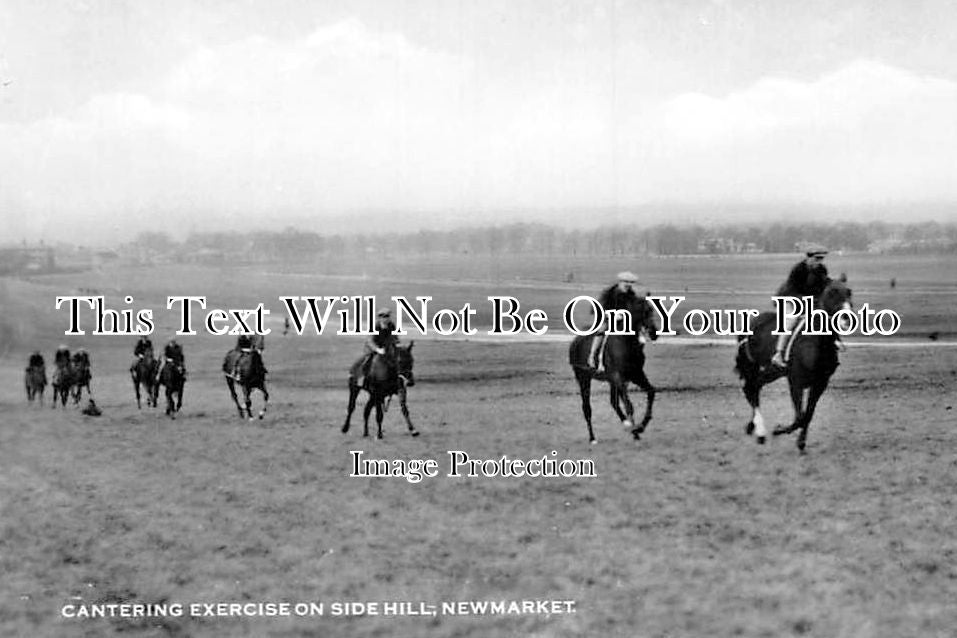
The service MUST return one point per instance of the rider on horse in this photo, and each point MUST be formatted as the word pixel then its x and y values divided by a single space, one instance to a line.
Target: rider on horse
pixel 142 347
pixel 383 342
pixel 619 296
pixel 807 278
pixel 245 345
pixel 172 352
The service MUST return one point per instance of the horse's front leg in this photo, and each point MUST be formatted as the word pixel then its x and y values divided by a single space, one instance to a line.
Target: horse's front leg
pixel 136 389
pixel 170 411
pixel 814 394
pixel 797 402
pixel 379 415
pixel 642 381
pixel 403 393
pixel 232 392
pixel 619 400
pixel 366 412
pixel 247 398
pixel 584 389
pixel 262 412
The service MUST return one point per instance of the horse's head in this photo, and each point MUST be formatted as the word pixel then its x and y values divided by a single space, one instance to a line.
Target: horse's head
pixel 643 319
pixel 404 362
pixel 837 296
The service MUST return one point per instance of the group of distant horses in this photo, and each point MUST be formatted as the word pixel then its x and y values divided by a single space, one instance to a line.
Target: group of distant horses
pixel 71 376
pixel 812 362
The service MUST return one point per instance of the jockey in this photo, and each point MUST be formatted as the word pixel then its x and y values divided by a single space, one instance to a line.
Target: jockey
pixel 143 345
pixel 808 277
pixel 618 296
pixel 36 360
pixel 172 352
pixel 62 356
pixel 244 343
pixel 81 356
pixel 383 342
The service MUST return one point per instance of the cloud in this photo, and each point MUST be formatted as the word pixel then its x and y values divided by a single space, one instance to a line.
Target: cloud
pixel 865 133
pixel 347 119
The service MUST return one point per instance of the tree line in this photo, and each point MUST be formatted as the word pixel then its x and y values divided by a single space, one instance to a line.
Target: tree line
pixel 292 244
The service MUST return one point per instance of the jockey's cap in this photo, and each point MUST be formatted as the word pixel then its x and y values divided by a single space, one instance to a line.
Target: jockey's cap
pixel 815 250
pixel 384 312
pixel 628 277
pixel 62 347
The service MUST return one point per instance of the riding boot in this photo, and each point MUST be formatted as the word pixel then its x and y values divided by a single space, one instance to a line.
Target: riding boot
pixel 596 343
pixel 778 358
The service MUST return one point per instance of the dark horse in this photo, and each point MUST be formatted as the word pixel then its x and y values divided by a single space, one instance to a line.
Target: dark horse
pixel 143 372
pixel 248 370
pixel 809 368
pixel 82 375
pixel 63 378
pixel 385 379
pixel 624 358
pixel 173 378
pixel 35 378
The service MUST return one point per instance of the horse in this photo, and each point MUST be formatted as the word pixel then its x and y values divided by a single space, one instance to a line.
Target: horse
pixel 624 359
pixel 173 378
pixel 143 372
pixel 62 382
pixel 35 380
pixel 248 370
pixel 384 380
pixel 81 376
pixel 809 368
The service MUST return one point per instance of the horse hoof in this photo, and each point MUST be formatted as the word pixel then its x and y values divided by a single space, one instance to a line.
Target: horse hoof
pixel 628 424
pixel 594 441
pixel 749 428
pixel 761 440
pixel 636 433
pixel 415 434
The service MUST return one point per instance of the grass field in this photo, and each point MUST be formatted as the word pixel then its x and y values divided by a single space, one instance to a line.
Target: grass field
pixel 692 531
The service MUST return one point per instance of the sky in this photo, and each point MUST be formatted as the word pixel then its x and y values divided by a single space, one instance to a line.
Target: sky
pixel 120 117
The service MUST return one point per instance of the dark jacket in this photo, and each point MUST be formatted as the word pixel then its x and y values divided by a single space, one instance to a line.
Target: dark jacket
pixel 804 280
pixel 142 347
pixel 612 298
pixel 383 338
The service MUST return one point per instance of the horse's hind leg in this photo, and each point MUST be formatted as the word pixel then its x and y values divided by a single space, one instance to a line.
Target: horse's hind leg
pixel 813 396
pixel 379 415
pixel 752 392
